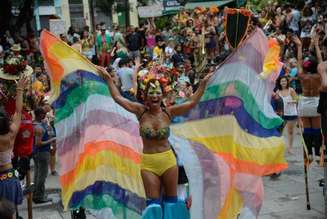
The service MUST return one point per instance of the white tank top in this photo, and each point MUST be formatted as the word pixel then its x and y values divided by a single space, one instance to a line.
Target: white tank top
pixel 290 108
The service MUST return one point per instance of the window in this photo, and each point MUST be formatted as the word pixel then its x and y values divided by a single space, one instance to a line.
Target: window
pixel 75 2
pixel 46 2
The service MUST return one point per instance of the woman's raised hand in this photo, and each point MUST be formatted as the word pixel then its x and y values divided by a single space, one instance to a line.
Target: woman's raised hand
pixel 104 74
pixel 297 40
pixel 22 82
pixel 206 78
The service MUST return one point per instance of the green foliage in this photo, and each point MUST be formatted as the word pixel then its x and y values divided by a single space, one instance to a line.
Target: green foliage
pixel 259 4
pixel 164 21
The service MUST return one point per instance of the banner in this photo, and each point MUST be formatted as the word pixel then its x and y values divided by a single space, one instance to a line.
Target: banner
pixel 57 26
pixel 155 10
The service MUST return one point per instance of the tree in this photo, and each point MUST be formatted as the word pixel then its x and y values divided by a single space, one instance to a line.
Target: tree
pixel 5 15
pixel 9 22
pixel 25 16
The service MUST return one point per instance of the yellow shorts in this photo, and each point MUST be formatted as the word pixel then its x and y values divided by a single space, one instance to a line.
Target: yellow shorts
pixel 158 163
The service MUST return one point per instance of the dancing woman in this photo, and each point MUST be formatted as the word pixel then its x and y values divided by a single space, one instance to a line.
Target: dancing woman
pixel 10 188
pixel 289 98
pixel 158 165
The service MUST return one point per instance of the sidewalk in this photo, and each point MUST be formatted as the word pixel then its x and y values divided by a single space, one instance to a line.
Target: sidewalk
pixel 284 198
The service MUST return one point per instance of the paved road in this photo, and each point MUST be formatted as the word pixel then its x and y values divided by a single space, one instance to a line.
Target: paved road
pixel 284 197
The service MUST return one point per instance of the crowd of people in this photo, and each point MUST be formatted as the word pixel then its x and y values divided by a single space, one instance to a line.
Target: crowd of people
pixel 180 56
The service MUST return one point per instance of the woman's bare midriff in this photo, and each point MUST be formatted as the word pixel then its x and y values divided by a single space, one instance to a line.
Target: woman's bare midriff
pixel 6 143
pixel 155 146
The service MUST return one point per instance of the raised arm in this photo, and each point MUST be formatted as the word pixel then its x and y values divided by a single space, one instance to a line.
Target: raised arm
pixel 322 70
pixel 294 95
pixel 19 104
pixel 298 43
pixel 135 74
pixel 317 48
pixel 133 107
pixel 182 109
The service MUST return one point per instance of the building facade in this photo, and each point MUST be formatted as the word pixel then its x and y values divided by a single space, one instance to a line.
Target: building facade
pixel 76 13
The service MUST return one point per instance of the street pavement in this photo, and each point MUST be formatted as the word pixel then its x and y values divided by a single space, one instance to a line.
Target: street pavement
pixel 284 197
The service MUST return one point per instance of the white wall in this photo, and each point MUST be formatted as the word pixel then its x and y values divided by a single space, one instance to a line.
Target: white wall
pixel 134 19
pixel 86 12
pixel 65 13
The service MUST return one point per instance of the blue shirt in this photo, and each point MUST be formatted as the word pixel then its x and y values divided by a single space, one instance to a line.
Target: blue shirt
pixel 45 137
pixel 293 73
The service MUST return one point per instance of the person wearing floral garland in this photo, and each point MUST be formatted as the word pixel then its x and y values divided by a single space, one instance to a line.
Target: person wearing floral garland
pixel 158 166
pixel 9 184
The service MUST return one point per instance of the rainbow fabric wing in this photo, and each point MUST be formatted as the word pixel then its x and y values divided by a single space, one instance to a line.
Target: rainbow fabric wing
pixel 233 138
pixel 227 142
pixel 98 142
pixel 272 64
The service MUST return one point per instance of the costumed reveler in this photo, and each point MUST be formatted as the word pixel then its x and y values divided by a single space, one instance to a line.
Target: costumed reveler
pixel 14 81
pixel 225 135
pixel 309 101
pixel 158 163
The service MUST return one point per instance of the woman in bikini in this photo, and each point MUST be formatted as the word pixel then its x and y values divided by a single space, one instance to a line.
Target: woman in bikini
pixel 10 188
pixel 158 166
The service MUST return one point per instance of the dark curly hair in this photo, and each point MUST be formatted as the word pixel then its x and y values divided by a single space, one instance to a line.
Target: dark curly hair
pixel 4 123
pixel 278 85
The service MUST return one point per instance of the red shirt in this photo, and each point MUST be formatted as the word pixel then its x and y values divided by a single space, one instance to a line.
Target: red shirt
pixel 24 139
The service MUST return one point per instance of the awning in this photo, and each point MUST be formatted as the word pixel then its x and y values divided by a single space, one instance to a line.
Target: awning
pixel 207 4
pixel 157 10
pixel 193 5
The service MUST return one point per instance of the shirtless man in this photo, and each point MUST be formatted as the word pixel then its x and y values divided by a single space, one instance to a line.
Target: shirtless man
pixel 309 100
pixel 322 70
pixel 322 108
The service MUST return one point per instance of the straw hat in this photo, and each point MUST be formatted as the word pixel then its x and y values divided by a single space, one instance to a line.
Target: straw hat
pixel 214 9
pixel 200 10
pixel 28 71
pixel 16 47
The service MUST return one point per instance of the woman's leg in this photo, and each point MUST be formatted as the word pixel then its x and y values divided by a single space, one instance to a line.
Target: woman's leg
pixel 173 208
pixel 290 130
pixel 170 181
pixel 317 136
pixel 152 184
pixel 306 125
